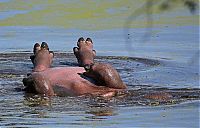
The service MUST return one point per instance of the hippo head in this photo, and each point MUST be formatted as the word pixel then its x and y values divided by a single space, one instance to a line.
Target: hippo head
pixel 104 75
pixel 42 58
pixel 84 52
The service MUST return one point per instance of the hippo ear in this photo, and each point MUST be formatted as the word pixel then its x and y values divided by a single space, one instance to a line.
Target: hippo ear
pixel 94 52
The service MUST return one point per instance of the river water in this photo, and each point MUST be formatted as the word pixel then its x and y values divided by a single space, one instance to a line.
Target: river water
pixel 160 58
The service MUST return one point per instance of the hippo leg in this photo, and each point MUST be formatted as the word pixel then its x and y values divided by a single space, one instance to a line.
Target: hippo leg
pixel 42 58
pixel 44 45
pixel 84 52
pixel 28 83
pixel 38 84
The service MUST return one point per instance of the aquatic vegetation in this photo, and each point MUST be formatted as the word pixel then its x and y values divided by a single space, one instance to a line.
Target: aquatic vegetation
pixel 7 76
pixel 94 15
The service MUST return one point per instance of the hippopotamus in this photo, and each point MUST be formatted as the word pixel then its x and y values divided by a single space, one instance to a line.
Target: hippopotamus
pixel 84 52
pixel 64 81
pixel 70 80
pixel 93 78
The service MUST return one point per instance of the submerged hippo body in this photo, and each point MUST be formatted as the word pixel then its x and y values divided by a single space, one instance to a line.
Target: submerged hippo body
pixel 95 78
pixel 84 52
pixel 71 80
pixel 64 81
pixel 105 75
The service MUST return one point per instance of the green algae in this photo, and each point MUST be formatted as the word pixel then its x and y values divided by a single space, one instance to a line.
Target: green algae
pixel 93 15
pixel 7 76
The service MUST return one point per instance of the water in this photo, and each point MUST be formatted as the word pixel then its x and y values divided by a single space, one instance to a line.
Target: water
pixel 128 109
pixel 160 58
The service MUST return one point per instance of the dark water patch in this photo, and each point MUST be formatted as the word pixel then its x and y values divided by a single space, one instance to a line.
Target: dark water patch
pixel 136 59
pixel 129 98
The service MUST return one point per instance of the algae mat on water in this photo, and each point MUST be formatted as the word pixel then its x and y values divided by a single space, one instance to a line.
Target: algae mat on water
pixel 93 14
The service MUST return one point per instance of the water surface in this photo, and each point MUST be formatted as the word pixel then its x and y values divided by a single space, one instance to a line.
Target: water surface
pixel 127 109
pixel 156 52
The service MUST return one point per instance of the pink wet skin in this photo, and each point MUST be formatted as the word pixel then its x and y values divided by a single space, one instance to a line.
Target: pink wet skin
pixel 69 81
pixel 105 74
pixel 42 61
pixel 66 81
pixel 84 52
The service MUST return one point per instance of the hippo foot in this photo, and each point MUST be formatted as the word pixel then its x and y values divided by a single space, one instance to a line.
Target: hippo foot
pixel 42 58
pixel 84 52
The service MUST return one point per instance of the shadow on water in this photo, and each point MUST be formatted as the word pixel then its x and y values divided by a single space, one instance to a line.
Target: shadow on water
pixel 20 109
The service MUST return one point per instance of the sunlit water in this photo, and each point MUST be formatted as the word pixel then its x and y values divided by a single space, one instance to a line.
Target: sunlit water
pixel 167 59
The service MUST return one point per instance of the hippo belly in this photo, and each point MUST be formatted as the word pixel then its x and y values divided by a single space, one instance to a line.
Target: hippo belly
pixel 63 74
pixel 66 81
